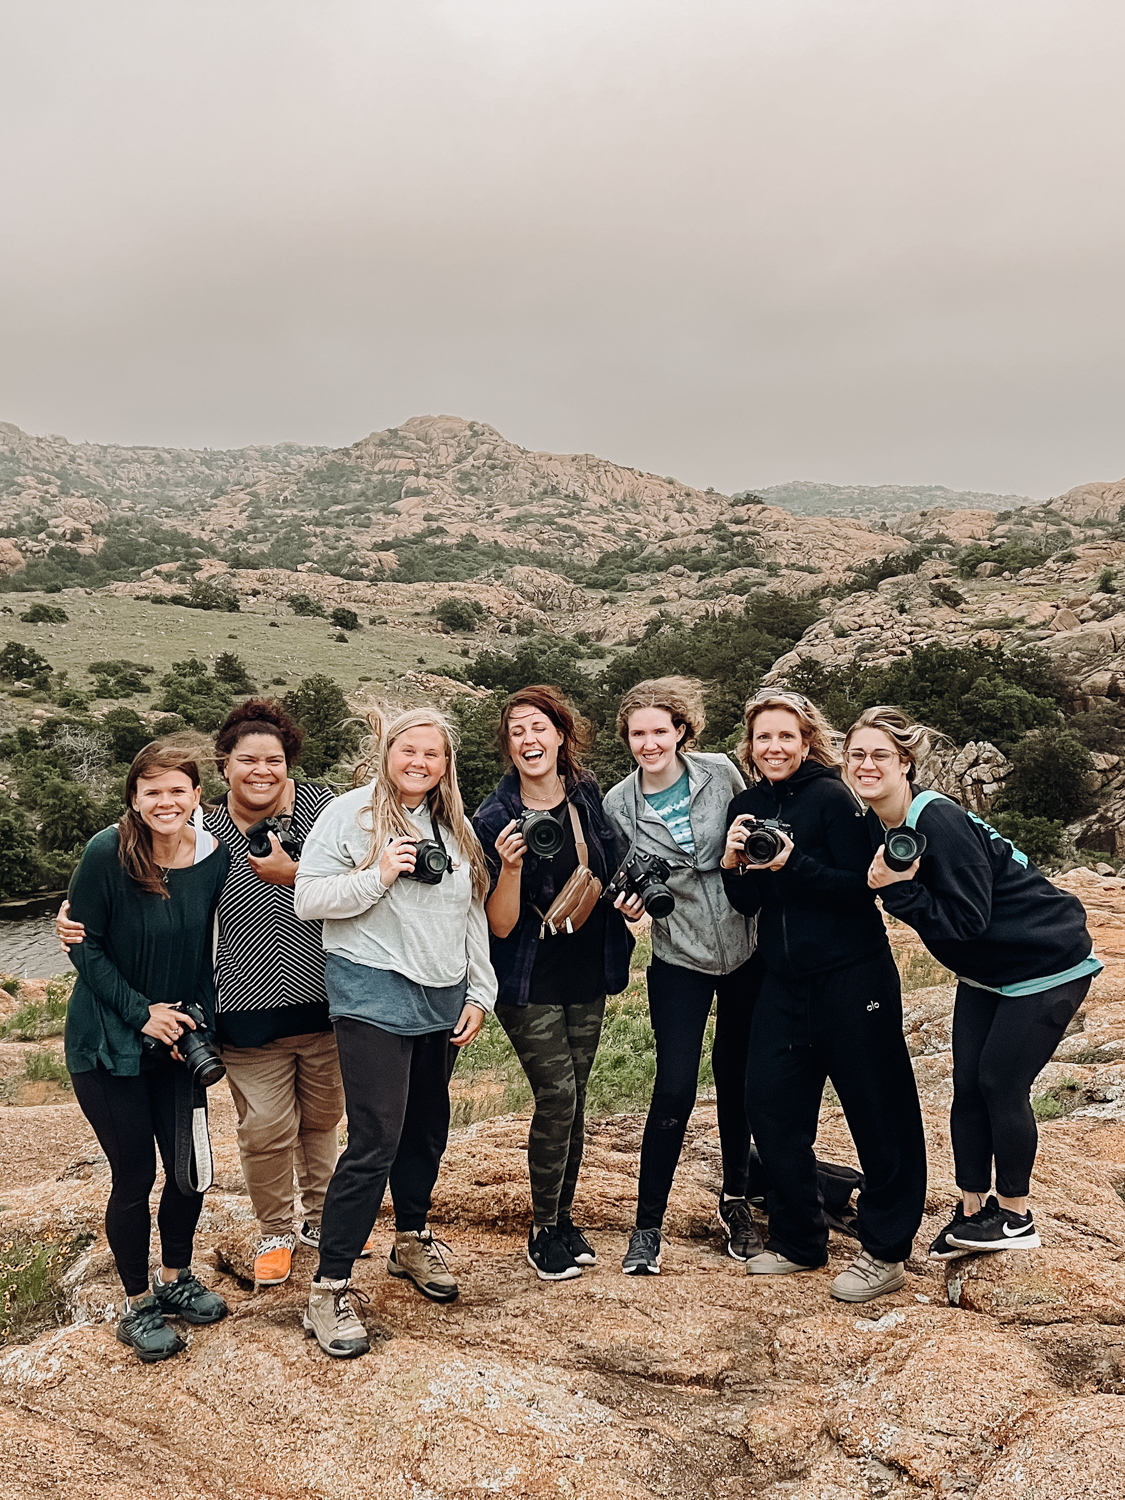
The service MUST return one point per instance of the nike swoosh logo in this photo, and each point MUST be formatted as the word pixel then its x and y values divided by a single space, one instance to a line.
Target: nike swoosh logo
pixel 1011 1234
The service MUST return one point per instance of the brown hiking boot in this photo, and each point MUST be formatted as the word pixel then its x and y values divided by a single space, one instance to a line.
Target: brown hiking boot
pixel 417 1257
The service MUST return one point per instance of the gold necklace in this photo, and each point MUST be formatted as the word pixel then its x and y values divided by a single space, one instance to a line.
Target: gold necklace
pixel 559 794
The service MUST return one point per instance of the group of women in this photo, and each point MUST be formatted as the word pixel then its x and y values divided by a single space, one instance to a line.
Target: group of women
pixel 352 978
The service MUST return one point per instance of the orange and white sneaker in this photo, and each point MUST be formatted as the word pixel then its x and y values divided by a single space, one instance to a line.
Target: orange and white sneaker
pixel 310 1235
pixel 274 1259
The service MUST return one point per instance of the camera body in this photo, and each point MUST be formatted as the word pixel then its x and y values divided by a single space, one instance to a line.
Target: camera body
pixel 431 862
pixel 646 876
pixel 901 847
pixel 200 1055
pixel 764 842
pixel 258 838
pixel 541 833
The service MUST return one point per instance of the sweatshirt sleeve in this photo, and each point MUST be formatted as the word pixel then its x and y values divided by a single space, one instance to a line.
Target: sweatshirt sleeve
pixel 328 884
pixel 482 987
pixel 950 899
pixel 91 904
pixel 743 887
pixel 844 883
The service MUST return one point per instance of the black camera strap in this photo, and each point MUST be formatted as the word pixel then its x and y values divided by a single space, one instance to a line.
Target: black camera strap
pixel 195 1165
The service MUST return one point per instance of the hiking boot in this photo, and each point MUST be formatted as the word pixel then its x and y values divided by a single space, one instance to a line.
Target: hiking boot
pixel 996 1228
pixel 867 1278
pixel 310 1235
pixel 941 1249
pixel 417 1257
pixel 582 1252
pixel 143 1328
pixel 188 1298
pixel 770 1263
pixel 549 1255
pixel 643 1255
pixel 332 1320
pixel 743 1239
pixel 274 1259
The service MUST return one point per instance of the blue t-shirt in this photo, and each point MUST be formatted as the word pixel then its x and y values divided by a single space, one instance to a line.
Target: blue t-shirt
pixel 391 1001
pixel 674 808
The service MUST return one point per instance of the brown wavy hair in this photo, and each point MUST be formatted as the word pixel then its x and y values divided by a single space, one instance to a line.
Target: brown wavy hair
pixel 134 837
pixel 680 697
pixel 385 812
pixel 817 733
pixel 259 716
pixel 909 738
pixel 577 733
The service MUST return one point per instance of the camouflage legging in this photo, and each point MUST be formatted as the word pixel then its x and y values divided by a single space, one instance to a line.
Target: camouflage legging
pixel 555 1045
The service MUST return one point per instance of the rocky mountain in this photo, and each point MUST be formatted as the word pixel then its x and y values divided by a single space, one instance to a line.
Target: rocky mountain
pixel 880 502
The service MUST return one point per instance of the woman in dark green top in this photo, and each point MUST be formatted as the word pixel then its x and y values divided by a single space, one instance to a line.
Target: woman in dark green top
pixel 146 892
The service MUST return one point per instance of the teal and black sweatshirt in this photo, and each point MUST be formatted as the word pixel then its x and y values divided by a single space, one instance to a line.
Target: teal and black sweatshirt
pixel 140 950
pixel 982 908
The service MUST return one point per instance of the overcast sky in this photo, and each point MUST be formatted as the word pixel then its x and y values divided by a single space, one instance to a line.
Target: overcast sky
pixel 737 241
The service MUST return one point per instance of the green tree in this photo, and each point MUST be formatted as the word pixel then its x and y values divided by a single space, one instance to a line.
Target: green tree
pixel 68 815
pixel 304 604
pixel 18 662
pixel 1039 838
pixel 45 614
pixel 19 868
pixel 331 733
pixel 344 619
pixel 204 594
pixel 1049 777
pixel 197 698
pixel 457 614
pixel 479 766
pixel 231 670
pixel 127 734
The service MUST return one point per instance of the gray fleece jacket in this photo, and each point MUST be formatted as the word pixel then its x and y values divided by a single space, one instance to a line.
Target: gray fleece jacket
pixel 704 932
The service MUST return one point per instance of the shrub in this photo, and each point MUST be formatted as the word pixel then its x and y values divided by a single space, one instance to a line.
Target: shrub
pixel 304 604
pixel 31 1282
pixel 479 766
pixel 18 663
pixel 331 734
pixel 45 614
pixel 344 619
pixel 207 595
pixel 457 614
pixel 1106 582
pixel 1049 777
pixel 231 670
pixel 200 700
pixel 1011 557
pixel 1039 838
pixel 68 815
pixel 127 734
pixel 19 869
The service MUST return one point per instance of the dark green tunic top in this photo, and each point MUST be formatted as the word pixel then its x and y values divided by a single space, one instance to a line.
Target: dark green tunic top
pixel 140 950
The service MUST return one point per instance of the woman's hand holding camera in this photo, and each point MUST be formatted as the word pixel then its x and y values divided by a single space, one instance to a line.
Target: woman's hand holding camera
pixel 734 853
pixel 880 875
pixel 398 859
pixel 278 868
pixel 511 846
pixel 167 1024
pixel 632 908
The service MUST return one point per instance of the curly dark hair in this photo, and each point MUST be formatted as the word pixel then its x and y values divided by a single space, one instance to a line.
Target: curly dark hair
pixel 259 716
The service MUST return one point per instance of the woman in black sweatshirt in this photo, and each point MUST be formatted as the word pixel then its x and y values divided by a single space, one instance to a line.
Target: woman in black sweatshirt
pixel 830 1004
pixel 1023 959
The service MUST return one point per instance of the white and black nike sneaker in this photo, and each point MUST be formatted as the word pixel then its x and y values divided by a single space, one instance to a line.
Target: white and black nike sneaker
pixel 995 1228
pixel 941 1249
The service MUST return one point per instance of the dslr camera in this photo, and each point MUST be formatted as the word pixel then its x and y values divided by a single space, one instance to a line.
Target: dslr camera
pixel 431 862
pixel 763 841
pixel 901 847
pixel 198 1051
pixel 646 876
pixel 258 838
pixel 541 833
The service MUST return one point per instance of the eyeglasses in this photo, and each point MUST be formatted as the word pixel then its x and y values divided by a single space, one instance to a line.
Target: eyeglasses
pixel 876 757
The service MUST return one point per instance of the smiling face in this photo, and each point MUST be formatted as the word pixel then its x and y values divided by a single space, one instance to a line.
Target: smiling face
pixel 165 802
pixel 776 744
pixel 257 774
pixel 875 768
pixel 533 744
pixel 416 762
pixel 653 739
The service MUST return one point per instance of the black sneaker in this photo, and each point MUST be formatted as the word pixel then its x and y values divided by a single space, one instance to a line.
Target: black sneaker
pixel 188 1298
pixel 941 1249
pixel 743 1239
pixel 643 1255
pixel 143 1328
pixel 581 1250
pixel 996 1228
pixel 547 1253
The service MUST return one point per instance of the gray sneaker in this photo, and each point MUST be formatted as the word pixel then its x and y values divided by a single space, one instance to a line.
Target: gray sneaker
pixel 417 1257
pixel 143 1328
pixel 867 1278
pixel 643 1255
pixel 332 1320
pixel 770 1263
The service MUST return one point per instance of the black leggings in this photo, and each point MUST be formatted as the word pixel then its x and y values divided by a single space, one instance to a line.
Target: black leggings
pixel 1000 1043
pixel 127 1115
pixel 679 1002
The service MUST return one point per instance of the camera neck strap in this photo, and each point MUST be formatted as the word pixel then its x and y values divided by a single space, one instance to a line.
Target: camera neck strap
pixel 435 827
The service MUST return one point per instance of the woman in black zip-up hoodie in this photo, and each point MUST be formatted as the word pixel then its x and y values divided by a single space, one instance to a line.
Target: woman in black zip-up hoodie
pixel 830 1006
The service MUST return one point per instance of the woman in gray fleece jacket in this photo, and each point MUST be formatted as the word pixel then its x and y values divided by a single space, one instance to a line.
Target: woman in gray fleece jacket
pixel 409 982
pixel 674 806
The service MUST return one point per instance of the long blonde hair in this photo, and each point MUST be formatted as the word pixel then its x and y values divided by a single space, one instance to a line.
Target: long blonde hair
pixel 134 837
pixel 817 733
pixel 387 815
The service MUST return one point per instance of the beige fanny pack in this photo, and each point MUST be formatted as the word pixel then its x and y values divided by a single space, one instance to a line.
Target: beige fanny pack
pixel 579 895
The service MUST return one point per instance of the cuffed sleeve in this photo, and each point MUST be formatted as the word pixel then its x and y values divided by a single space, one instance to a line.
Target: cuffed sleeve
pixel 482 987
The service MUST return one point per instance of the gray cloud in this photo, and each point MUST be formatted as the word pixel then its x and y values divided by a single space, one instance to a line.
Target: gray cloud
pixel 733 240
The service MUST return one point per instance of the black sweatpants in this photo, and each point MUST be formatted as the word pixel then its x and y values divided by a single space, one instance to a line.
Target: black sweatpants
pixel 397 1094
pixel 845 1025
pixel 128 1115
pixel 679 1002
pixel 1000 1042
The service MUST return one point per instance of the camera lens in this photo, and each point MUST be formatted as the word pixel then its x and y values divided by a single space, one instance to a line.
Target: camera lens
pixel 659 900
pixel 430 858
pixel 902 847
pixel 542 834
pixel 762 845
pixel 201 1059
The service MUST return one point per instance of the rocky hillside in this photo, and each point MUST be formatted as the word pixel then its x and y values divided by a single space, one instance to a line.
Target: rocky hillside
pixel 996 1377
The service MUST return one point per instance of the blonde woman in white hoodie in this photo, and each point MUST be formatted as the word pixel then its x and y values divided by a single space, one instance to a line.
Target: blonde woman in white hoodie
pixel 396 874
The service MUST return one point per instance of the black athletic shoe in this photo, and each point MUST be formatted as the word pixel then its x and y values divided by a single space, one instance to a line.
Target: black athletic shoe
pixel 643 1255
pixel 548 1255
pixel 941 1249
pixel 743 1239
pixel 996 1228
pixel 581 1250
pixel 143 1328
pixel 188 1298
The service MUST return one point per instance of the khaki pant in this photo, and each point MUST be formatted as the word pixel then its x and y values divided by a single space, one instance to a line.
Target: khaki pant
pixel 290 1099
